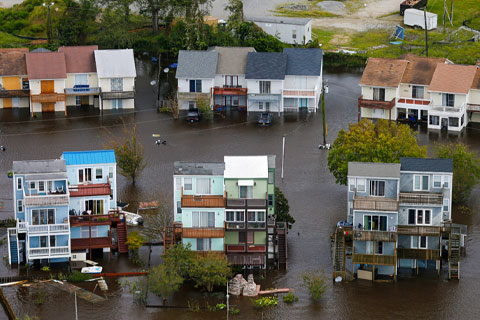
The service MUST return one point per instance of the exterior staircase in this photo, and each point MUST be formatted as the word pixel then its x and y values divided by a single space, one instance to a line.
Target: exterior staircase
pixel 339 254
pixel 13 250
pixel 122 237
pixel 171 236
pixel 282 245
pixel 454 253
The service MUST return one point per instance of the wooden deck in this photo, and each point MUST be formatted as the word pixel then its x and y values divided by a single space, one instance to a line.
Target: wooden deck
pixel 375 204
pixel 421 254
pixel 362 235
pixel 203 233
pixel 433 231
pixel 205 201
pixel 374 259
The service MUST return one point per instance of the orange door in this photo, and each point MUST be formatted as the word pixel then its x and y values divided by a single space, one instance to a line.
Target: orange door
pixel 12 83
pixel 48 107
pixel 7 103
pixel 47 86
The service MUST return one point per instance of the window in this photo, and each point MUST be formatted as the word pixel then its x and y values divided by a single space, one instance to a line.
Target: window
pixel 41 186
pixel 448 99
pixel 19 183
pixel 43 241
pixel 420 183
pixel 377 188
pixel 375 222
pixel 43 216
pixel 179 206
pixel 187 184
pixel 256 219
pixel 411 216
pixel 201 219
pixel 33 185
pixel 94 232
pixel 379 247
pixel 300 82
pixel 117 103
pixel 414 241
pixel 235 216
pixel 271 177
pixel 84 232
pixel 446 181
pixel 294 34
pixel 78 100
pixel 19 205
pixel 81 80
pixel 53 241
pixel 264 86
pixel 110 172
pixel 195 85
pixel 203 186
pixel 116 84
pixel 267 106
pixel 242 237
pixel 361 185
pixel 453 121
pixel 204 244
pixel 98 173
pixel 417 92
pixel 351 184
pixel 437 181
pixel 434 120
pixel 379 94
pixel 369 247
pixel 260 105
pixel 231 81
pixel 419 217
pixel 270 200
pixel 95 206
pixel 246 192
pixel 463 119
pixel 178 183
pixel 85 175
pixel 419 242
pixel 445 205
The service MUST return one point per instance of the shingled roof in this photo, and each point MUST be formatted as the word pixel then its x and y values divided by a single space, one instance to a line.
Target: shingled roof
pixel 194 64
pixel 12 62
pixel 79 59
pixel 420 70
pixel 266 65
pixel 304 62
pixel 383 72
pixel 374 169
pixel 46 65
pixel 453 78
pixel 476 80
pixel 426 164
pixel 232 60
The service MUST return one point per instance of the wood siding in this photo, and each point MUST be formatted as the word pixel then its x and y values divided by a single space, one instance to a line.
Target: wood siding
pixel 203 233
pixel 433 231
pixel 374 259
pixel 420 254
pixel 191 201
pixel 375 204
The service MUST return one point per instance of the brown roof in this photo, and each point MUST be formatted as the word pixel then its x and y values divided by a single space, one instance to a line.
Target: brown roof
pixel 453 78
pixel 476 80
pixel 46 65
pixel 12 63
pixel 383 72
pixel 79 59
pixel 420 69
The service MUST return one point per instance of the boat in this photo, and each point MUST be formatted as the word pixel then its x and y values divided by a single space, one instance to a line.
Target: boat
pixel 133 219
pixel 95 269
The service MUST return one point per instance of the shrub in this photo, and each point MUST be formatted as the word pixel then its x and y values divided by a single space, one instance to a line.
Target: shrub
pixel 290 298
pixel 77 276
pixel 234 311
pixel 315 282
pixel 220 306
pixel 46 269
pixel 264 302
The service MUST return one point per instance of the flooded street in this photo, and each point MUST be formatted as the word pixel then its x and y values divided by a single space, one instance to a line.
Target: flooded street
pixel 316 202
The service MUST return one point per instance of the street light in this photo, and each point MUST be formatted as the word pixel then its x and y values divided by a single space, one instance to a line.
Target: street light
pixel 49 27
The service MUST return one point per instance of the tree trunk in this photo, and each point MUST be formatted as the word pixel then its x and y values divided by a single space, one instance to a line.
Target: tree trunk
pixel 155 21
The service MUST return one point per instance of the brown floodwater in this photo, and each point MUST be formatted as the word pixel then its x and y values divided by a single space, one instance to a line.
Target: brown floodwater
pixel 316 202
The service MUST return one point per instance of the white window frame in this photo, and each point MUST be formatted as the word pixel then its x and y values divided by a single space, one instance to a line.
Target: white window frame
pixel 101 172
pixel 247 193
pixel 364 184
pixel 178 183
pixel 30 185
pixel 19 181
pixel 256 215
pixel 46 211
pixel 351 184
pixel 42 184
pixel 19 205
pixel 384 188
pixel 369 247
pixel 377 246
pixel 421 182
pixel 423 217
pixel 83 231
pixel 446 180
pixel 206 243
pixel 371 219
pixel 84 176
pixel 199 219
pixel 439 178
pixel 260 105
pixel 234 215
pixel 209 186
pixel 447 201
pixel 419 241
pixel 110 172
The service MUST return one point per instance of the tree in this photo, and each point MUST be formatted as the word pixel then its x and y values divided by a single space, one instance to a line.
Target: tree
pixel 113 32
pixel 156 220
pixel 164 281
pixel 129 154
pixel 315 282
pixel 210 271
pixel 122 8
pixel 77 22
pixel 153 8
pixel 282 208
pixel 466 169
pixel 368 142
pixel 134 242
pixel 180 259
pixel 235 7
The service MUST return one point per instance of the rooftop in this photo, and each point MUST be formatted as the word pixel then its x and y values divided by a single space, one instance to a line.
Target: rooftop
pixel 476 80
pixel 89 157
pixel 12 63
pixel 282 20
pixel 304 62
pixel 426 164
pixel 383 72
pixel 453 78
pixel 232 60
pixel 266 65
pixel 118 63
pixel 199 168
pixel 246 167
pixel 420 69
pixel 46 65
pixel 79 59
pixel 39 166
pixel 197 64
pixel 374 169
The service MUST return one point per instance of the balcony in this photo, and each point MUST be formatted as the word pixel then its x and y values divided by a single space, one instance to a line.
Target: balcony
pixel 49 252
pixel 457 110
pixel 256 225
pixel 414 103
pixel 193 96
pixel 363 235
pixel 14 93
pixel 421 198
pixel 247 259
pixel 230 91
pixel 91 243
pixel 246 248
pixel 235 225
pixel 247 203
pixel 82 90
pixel 367 103
pixel 374 204
pixel 203 233
pixel 46 200
pixel 60 228
pixel 22 226
pixel 297 93
pixel 377 259
pixel 433 231
pixel 420 254
pixel 117 95
pixel 47 97
pixel 203 201
pixel 235 248
pixel 265 97
pixel 94 220
pixel 472 107
pixel 92 189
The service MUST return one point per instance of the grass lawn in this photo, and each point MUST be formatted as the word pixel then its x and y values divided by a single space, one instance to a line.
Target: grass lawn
pixel 462 10
pixel 9 41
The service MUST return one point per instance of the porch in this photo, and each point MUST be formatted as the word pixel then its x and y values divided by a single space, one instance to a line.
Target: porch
pixel 230 96
pixel 375 104
pixel 117 95
pixel 48 97
pixel 82 90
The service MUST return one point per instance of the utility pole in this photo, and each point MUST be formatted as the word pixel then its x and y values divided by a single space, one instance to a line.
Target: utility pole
pixel 283 153
pixel 426 30
pixel 49 27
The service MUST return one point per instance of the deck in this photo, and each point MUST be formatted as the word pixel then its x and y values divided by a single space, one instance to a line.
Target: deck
pixel 363 235
pixel 204 201
pixel 91 243
pixel 97 219
pixel 420 254
pixel 375 204
pixel 433 231
pixel 421 198
pixel 203 233
pixel 376 259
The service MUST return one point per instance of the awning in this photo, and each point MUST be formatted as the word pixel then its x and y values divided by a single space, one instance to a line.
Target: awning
pixel 245 182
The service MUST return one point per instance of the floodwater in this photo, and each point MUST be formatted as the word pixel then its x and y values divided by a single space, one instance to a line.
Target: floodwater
pixel 316 202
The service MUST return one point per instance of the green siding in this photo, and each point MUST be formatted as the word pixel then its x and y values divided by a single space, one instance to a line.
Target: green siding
pixel 259 188
pixel 260 237
pixel 231 237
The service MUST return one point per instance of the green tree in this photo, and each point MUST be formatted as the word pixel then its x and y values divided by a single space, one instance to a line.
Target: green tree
pixel 77 22
pixel 180 259
pixel 129 154
pixel 235 7
pixel 368 142
pixel 134 241
pixel 152 8
pixel 315 282
pixel 113 32
pixel 466 169
pixel 210 271
pixel 164 281
pixel 282 208
pixel 122 8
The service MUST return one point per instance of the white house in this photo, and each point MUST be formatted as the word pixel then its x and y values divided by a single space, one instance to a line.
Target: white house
pixel 14 87
pixel 116 77
pixel 288 30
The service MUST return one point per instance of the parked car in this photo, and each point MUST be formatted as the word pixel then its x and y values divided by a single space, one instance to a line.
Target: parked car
pixel 265 119
pixel 194 115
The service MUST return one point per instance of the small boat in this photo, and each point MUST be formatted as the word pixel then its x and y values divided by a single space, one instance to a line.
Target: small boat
pixel 133 219
pixel 92 269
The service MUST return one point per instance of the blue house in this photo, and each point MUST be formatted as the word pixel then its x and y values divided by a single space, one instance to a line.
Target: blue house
pixel 41 199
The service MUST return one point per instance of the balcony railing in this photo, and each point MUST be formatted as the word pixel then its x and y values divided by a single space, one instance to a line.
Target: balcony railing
pixel 299 92
pixel 359 258
pixel 421 198
pixel 95 219
pixel 433 231
pixel 414 101
pixel 86 243
pixel 473 107
pixel 48 252
pixel 235 248
pixel 192 96
pixel 79 90
pixel 14 93
pixel 242 203
pixel 204 201
pixel 367 103
pixel 118 95
pixel 49 228
pixel 203 232
pixel 375 204
pixel 12 232
pixel 22 226
pixel 47 97
pixel 421 254
pixel 235 225
pixel 256 225
pixel 229 91
pixel 363 235
pixel 46 200
pixel 455 109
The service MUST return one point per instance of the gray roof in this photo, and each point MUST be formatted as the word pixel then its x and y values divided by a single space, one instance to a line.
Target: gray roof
pixel 426 165
pixel 197 64
pixel 232 60
pixel 41 50
pixel 39 166
pixel 199 168
pixel 374 170
pixel 304 62
pixel 283 20
pixel 266 65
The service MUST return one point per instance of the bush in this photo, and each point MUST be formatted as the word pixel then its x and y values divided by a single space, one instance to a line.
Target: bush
pixel 77 276
pixel 264 302
pixel 290 298
pixel 315 282
pixel 46 269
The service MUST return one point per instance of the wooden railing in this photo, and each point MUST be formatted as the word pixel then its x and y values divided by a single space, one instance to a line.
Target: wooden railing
pixel 235 248
pixel 118 95
pixel 299 92
pixel 95 219
pixel 203 201
pixel 433 231
pixel 421 254
pixel 373 259
pixel 14 93
pixel 48 97
pixel 366 103
pixel 229 91
pixel 415 101
pixel 363 235
pixel 421 198
pixel 192 96
pixel 376 204
pixel 203 233
pixel 86 243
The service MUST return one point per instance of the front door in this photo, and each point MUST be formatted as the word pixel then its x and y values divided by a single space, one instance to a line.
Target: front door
pixel 303 103
pixel 47 86
pixel 267 106
pixel 444 123
pixel 48 107
pixel 84 100
pixel 7 103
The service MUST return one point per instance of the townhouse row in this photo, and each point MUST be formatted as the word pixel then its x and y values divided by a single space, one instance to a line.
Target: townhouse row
pixel 434 90
pixel 240 77
pixel 65 208
pixel 229 208
pixel 74 76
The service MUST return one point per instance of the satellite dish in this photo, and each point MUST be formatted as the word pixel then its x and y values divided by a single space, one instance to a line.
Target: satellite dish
pixel 166 70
